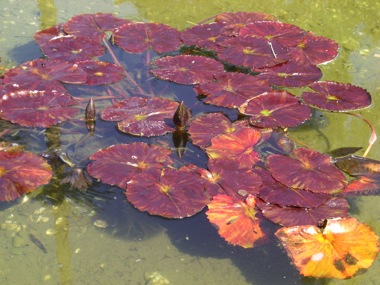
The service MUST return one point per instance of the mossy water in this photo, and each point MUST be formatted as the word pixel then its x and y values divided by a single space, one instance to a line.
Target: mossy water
pixel 81 253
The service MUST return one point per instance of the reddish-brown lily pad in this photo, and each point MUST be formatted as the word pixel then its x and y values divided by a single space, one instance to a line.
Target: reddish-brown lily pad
pixel 72 48
pixel 336 207
pixel 232 89
pixel 333 96
pixel 236 220
pixel 275 109
pixel 118 164
pixel 362 186
pixel 138 37
pixel 203 36
pixel 251 52
pixel 343 249
pixel 187 69
pixel 37 108
pixel 43 36
pixel 237 146
pixel 175 193
pixel 308 170
pixel 101 72
pixel 142 116
pixel 21 172
pixel 357 165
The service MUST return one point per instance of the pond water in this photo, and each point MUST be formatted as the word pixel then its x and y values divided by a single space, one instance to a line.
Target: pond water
pixel 96 237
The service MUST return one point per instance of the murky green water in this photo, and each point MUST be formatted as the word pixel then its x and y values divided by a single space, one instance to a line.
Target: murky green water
pixel 97 238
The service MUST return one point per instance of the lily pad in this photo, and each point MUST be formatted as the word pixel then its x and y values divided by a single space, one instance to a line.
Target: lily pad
pixel 142 116
pixel 275 109
pixel 101 72
pixel 343 249
pixel 175 193
pixel 138 37
pixel 118 164
pixel 308 170
pixel 187 69
pixel 203 36
pixel 333 96
pixel 37 108
pixel 232 89
pixel 236 220
pixel 21 172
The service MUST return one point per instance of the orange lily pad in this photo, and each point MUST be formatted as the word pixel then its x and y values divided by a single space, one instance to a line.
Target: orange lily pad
pixel 236 220
pixel 343 249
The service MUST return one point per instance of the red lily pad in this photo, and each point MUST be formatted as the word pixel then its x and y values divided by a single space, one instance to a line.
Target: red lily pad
pixel 175 193
pixel 118 164
pixel 72 48
pixel 343 249
pixel 93 26
pixel 274 192
pixel 308 170
pixel 45 35
pixel 39 70
pixel 206 126
pixel 235 179
pixel 237 146
pixel 236 220
pixel 291 74
pixel 37 108
pixel 251 52
pixel 101 72
pixel 21 172
pixel 203 36
pixel 315 49
pixel 234 21
pixel 187 69
pixel 142 116
pixel 275 109
pixel 336 207
pixel 285 34
pixel 232 89
pixel 333 96
pixel 138 37
pixel 362 186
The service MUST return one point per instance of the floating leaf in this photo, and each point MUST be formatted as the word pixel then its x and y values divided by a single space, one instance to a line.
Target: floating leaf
pixel 315 49
pixel 72 48
pixel 362 185
pixel 274 192
pixel 343 249
pixel 308 170
pixel 138 37
pixel 142 116
pixel 357 165
pixel 237 145
pixel 236 220
pixel 275 109
pixel 93 26
pixel 37 108
pixel 251 52
pixel 101 72
pixel 335 207
pixel 203 36
pixel 118 164
pixel 232 89
pixel 21 172
pixel 333 96
pixel 273 31
pixel 175 193
pixel 38 70
pixel 187 69
pixel 43 36
pixel 291 74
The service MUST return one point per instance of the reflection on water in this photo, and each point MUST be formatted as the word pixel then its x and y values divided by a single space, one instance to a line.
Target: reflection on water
pixel 96 237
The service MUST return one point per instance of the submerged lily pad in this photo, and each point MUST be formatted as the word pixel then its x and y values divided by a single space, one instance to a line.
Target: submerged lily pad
pixel 236 220
pixel 142 116
pixel 187 69
pixel 37 108
pixel 118 164
pixel 308 170
pixel 174 193
pixel 343 249
pixel 21 172
pixel 333 96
